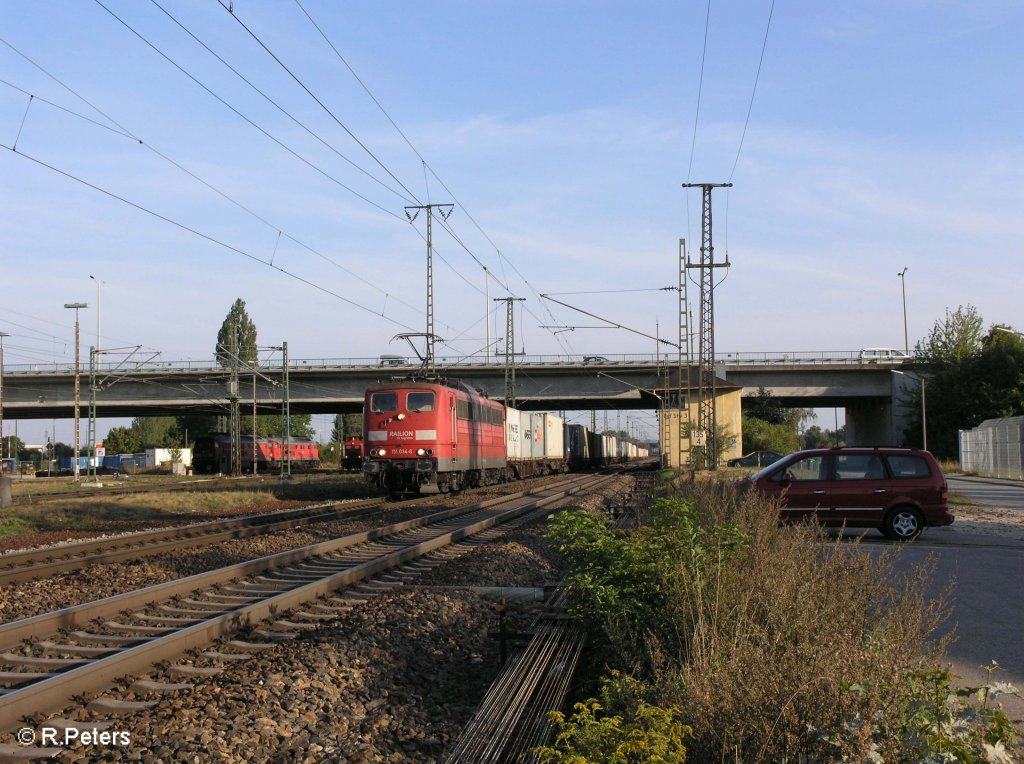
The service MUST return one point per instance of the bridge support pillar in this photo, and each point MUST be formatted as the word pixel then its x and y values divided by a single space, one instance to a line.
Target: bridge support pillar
pixel 870 423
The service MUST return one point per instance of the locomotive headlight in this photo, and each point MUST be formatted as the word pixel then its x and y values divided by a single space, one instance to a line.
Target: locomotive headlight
pixel 421 452
pixel 400 417
pixel 381 452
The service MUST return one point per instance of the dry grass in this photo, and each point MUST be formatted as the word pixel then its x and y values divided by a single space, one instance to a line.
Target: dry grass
pixel 768 640
pixel 104 513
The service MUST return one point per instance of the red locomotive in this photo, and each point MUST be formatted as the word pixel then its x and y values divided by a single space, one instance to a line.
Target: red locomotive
pixel 431 437
pixel 353 454
pixel 212 453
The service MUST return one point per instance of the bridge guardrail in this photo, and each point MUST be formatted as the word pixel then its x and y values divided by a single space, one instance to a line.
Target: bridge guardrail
pixel 731 358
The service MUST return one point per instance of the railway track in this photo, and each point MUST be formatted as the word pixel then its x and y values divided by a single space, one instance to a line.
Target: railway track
pixel 209 483
pixel 47 561
pixel 51 658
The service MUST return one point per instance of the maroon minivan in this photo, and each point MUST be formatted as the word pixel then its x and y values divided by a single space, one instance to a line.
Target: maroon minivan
pixel 897 490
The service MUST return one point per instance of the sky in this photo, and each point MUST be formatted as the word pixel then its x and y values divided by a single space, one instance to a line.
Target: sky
pixel 861 139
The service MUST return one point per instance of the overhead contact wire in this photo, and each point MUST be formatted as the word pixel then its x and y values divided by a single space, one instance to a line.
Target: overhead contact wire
pixel 280 108
pixel 287 148
pixel 202 235
pixel 312 95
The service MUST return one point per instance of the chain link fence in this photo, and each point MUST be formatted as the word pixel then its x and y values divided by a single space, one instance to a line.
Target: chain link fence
pixel 993 448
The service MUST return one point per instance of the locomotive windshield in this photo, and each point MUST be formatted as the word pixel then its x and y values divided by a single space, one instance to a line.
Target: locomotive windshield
pixel 383 403
pixel 420 401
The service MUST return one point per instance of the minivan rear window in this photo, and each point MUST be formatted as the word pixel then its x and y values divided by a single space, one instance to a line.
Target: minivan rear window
pixel 908 466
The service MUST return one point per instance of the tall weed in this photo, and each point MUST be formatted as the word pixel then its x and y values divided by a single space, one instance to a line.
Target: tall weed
pixel 774 643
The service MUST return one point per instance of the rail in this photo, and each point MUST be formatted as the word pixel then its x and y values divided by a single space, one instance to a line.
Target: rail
pixel 190 613
pixel 47 561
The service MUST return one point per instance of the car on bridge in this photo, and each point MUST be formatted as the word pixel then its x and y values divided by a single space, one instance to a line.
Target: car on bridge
pixel 882 355
pixel 591 359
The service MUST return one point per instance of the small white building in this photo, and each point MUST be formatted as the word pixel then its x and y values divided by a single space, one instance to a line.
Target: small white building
pixel 156 457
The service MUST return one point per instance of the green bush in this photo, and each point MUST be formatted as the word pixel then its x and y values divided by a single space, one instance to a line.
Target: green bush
pixel 622 728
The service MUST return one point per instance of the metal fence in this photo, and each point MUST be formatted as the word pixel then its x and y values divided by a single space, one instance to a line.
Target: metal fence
pixel 993 448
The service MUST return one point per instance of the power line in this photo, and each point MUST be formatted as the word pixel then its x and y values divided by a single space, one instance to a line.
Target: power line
pixel 700 90
pixel 753 92
pixel 280 143
pixel 342 125
pixel 278 106
pixel 125 132
pixel 201 235
pixel 746 122
pixel 501 257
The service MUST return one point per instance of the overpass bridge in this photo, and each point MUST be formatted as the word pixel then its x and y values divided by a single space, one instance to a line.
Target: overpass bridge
pixel 870 393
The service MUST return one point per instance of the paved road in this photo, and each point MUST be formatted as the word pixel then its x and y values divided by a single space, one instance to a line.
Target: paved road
pixel 1005 494
pixel 982 575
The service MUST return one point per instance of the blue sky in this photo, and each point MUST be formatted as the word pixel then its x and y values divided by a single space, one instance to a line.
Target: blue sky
pixel 882 135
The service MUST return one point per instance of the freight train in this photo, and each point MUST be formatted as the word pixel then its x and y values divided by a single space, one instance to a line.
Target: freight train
pixel 436 437
pixel 212 453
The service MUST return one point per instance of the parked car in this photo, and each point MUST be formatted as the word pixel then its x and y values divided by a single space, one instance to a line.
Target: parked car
pixel 755 459
pixel 899 491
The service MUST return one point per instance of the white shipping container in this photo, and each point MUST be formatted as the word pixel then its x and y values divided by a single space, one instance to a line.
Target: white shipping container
pixel 554 437
pixel 537 433
pixel 518 442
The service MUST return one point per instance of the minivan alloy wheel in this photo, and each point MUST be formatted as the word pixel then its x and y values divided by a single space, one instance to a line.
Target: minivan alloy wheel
pixel 903 524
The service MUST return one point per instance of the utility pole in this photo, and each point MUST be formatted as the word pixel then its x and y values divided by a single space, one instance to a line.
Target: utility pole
pixel 2 335
pixel 510 348
pixel 683 361
pixel 235 412
pixel 254 425
pixel 94 362
pixel 707 417
pixel 286 463
pixel 76 306
pixel 99 312
pixel 903 284
pixel 487 315
pixel 444 210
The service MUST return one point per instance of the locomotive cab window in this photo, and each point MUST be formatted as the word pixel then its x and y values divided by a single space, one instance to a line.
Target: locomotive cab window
pixel 383 403
pixel 420 401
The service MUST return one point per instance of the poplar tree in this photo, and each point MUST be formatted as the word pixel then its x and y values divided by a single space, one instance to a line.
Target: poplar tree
pixel 236 340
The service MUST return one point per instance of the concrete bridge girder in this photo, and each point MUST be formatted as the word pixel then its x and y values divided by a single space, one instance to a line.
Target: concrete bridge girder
pixel 865 391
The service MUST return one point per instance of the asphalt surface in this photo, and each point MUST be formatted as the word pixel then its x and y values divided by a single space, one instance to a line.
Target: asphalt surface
pixel 990 492
pixel 980 574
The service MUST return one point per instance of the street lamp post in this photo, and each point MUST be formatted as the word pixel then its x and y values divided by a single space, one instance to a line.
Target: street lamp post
pixel 903 283
pixel 924 406
pixel 2 335
pixel 76 306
